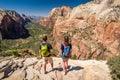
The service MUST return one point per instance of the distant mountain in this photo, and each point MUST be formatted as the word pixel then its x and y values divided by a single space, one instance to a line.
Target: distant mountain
pixel 15 16
pixel 28 18
pixel 11 25
pixel 35 19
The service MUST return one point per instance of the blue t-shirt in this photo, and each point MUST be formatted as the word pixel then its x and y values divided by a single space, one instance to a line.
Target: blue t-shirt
pixel 65 50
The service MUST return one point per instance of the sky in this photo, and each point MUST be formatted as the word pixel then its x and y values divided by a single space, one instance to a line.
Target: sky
pixel 37 7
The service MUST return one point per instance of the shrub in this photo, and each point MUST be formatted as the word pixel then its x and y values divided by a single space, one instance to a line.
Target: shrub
pixel 74 57
pixel 10 53
pixel 114 64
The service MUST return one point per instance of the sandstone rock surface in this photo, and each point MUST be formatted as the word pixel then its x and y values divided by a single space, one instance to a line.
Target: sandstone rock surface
pixel 32 69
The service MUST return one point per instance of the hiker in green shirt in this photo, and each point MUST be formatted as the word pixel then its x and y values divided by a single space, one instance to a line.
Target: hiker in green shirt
pixel 45 48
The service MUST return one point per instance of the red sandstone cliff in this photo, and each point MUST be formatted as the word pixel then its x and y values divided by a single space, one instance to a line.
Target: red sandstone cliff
pixel 55 14
pixel 94 29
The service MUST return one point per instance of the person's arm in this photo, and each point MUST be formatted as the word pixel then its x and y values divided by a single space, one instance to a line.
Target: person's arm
pixel 40 51
pixel 61 50
pixel 50 49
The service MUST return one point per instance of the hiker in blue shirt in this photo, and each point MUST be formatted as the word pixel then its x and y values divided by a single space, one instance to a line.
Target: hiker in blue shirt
pixel 65 53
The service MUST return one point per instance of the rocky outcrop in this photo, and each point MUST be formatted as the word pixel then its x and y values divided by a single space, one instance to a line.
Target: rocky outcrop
pixel 15 16
pixel 93 28
pixel 32 69
pixel 56 13
pixel 26 20
pixel 115 2
pixel 11 25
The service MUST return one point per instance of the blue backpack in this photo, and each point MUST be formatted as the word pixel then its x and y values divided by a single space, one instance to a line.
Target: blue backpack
pixel 65 51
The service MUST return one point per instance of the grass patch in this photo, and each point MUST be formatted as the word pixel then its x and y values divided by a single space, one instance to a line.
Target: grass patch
pixel 10 53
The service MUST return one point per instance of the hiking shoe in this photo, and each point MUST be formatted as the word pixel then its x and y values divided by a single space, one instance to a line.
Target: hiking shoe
pixel 53 69
pixel 45 72
pixel 65 73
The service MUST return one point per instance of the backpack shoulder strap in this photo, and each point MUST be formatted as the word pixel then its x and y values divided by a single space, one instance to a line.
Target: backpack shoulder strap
pixel 41 44
pixel 70 46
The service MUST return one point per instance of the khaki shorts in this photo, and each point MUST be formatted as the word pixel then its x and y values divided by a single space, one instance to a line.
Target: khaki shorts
pixel 47 60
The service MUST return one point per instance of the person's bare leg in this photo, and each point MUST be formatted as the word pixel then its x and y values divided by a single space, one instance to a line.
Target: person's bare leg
pixel 63 65
pixel 51 62
pixel 66 64
pixel 45 68
pixel 51 65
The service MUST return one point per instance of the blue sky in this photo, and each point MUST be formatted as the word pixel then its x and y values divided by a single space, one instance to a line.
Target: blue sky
pixel 37 7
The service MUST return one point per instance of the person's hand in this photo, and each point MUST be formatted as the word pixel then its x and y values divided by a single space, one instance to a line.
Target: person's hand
pixel 58 55
pixel 39 57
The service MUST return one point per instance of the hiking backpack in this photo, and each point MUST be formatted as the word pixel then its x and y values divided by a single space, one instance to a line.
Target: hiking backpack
pixel 44 50
pixel 65 50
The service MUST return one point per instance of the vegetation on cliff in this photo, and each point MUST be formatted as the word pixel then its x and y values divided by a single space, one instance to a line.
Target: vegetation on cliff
pixel 27 45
